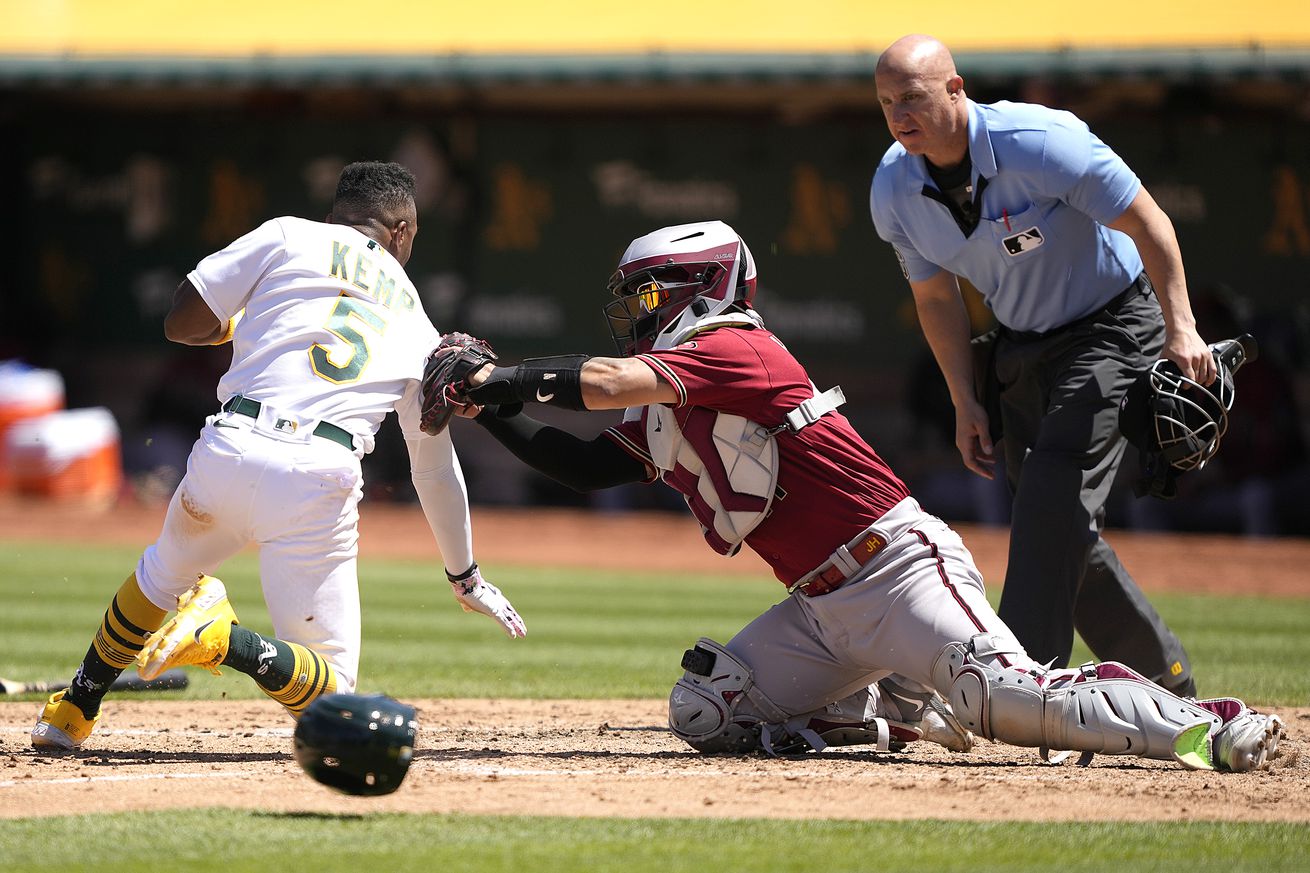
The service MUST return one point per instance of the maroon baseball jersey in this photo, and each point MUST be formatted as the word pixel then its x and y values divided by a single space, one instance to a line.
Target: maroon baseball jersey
pixel 831 483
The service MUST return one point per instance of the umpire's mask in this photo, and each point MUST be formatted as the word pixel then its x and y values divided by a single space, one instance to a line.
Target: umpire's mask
pixel 1175 422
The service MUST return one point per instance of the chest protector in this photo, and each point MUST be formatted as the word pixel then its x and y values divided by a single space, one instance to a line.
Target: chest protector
pixel 724 465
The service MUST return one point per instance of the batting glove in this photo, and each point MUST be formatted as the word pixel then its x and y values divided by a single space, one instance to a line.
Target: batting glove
pixel 476 594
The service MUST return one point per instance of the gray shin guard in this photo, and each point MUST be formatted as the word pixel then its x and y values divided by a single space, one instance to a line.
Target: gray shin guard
pixel 1100 708
pixel 1124 717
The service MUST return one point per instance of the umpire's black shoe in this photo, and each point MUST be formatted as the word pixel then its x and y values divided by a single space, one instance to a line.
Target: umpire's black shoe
pixel 1184 688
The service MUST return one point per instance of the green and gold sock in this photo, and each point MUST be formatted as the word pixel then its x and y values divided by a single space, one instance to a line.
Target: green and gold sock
pixel 127 623
pixel 287 672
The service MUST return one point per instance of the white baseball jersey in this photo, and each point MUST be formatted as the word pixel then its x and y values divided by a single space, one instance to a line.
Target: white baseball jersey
pixel 333 332
pixel 333 329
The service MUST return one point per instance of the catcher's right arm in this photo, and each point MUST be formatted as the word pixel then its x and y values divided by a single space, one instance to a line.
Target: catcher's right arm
pixel 444 375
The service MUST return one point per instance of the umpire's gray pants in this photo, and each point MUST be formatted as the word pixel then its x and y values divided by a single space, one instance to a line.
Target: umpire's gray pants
pixel 1059 411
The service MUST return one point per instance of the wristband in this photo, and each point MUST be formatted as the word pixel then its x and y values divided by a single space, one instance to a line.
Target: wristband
pixel 556 381
pixel 499 411
pixel 460 577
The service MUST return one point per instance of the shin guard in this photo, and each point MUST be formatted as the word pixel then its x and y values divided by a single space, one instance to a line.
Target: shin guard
pixel 1105 708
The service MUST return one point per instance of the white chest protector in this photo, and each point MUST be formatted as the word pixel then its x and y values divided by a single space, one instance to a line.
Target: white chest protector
pixel 725 465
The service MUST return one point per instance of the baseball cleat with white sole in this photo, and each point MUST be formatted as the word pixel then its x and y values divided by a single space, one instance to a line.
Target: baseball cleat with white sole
pixel 197 636
pixel 61 725
pixel 1247 742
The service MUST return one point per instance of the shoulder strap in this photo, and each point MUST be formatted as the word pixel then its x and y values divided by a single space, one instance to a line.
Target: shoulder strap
pixel 812 410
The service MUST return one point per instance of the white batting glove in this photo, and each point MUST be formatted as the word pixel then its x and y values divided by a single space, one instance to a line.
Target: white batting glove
pixel 476 594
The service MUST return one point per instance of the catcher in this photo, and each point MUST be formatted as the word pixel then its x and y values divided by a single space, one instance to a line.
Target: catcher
pixel 279 462
pixel 885 604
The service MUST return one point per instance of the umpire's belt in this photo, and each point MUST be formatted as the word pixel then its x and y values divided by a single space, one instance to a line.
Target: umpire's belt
pixel 245 406
pixel 1140 288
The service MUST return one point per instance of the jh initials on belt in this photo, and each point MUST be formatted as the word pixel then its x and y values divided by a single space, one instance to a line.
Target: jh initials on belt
pixel 840 566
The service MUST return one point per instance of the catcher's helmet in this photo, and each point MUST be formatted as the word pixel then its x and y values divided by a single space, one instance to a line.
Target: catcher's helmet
pixel 1177 423
pixel 356 743
pixel 677 277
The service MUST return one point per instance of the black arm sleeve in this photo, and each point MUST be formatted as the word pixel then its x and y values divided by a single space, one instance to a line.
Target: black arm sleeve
pixel 569 460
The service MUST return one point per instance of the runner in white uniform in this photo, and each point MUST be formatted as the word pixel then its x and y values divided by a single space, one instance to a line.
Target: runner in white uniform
pixel 328 337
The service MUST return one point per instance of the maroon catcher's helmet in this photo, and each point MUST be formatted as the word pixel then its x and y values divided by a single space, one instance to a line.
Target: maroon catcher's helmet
pixel 675 279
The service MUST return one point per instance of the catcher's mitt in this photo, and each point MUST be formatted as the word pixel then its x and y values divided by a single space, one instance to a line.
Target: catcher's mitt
pixel 450 363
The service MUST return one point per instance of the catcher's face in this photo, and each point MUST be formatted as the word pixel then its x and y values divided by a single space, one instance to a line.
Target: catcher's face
pixel 645 303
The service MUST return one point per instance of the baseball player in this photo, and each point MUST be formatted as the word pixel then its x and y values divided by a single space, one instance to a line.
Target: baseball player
pixel 885 604
pixel 328 336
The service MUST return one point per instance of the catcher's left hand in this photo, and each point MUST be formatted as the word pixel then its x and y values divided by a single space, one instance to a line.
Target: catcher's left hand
pixel 444 375
pixel 476 594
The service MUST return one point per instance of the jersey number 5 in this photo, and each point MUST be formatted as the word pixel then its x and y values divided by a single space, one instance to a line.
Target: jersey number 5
pixel 320 357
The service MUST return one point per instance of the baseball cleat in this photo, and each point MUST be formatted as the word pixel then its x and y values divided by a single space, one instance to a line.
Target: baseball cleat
pixel 62 725
pixel 198 635
pixel 1247 742
pixel 940 726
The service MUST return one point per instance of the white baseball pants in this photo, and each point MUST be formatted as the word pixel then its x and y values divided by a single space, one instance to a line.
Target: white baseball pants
pixel 297 497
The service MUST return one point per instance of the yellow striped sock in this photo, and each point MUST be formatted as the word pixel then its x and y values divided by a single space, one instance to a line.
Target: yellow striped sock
pixel 311 678
pixel 130 619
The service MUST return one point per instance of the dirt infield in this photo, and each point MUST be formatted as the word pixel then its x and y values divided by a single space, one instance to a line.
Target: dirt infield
pixel 615 758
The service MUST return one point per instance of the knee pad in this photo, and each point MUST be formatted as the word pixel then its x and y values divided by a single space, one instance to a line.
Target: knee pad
pixel 705 706
pixel 999 703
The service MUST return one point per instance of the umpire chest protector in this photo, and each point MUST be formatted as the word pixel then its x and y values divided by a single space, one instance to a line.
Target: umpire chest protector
pixel 725 465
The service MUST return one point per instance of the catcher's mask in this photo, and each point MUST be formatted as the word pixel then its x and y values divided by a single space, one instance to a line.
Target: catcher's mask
pixel 673 278
pixel 1177 423
pixel 358 744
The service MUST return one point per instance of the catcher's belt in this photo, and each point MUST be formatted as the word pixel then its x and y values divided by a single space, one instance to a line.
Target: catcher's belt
pixel 846 560
pixel 243 405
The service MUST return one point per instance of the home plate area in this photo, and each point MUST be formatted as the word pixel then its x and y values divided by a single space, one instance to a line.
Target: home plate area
pixel 606 758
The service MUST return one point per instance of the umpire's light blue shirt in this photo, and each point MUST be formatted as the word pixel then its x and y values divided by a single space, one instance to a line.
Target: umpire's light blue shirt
pixel 1041 255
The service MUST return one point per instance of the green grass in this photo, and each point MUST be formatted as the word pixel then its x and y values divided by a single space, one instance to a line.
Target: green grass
pixel 208 841
pixel 592 633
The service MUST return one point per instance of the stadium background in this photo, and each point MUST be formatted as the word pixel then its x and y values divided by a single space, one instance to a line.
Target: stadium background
pixel 544 138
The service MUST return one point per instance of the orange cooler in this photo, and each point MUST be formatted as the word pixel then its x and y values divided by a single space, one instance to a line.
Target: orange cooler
pixel 74 454
pixel 24 393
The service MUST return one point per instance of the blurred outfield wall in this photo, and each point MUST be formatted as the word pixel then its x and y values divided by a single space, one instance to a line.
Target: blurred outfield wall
pixel 138 139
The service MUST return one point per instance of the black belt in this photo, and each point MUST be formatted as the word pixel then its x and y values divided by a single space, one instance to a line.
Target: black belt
pixel 245 406
pixel 1141 287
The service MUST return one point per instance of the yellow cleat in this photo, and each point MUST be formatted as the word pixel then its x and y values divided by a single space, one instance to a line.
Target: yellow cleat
pixel 198 635
pixel 62 725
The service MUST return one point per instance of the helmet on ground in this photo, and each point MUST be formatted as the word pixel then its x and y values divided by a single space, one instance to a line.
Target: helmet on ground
pixel 356 743
pixel 1176 422
pixel 676 279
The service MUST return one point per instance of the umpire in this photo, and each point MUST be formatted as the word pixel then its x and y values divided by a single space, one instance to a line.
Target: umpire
pixel 1059 236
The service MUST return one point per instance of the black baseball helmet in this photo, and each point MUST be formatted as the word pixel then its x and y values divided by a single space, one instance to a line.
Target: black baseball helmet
pixel 357 743
pixel 1177 423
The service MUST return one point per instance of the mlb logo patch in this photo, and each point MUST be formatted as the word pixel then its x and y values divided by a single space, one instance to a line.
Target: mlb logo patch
pixel 1023 241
